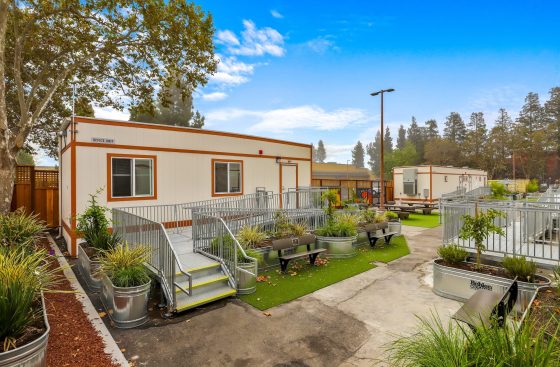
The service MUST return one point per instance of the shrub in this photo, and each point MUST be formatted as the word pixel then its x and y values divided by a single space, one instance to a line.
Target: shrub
pixel 343 225
pixel 282 225
pixel 391 216
pixel 437 345
pixel 520 267
pixel 452 254
pixel 532 186
pixel 368 216
pixel 249 236
pixel 331 197
pixel 19 230
pixel 125 265
pixel 22 278
pixel 498 190
pixel 479 227
pixel 382 217
pixel 298 229
pixel 94 226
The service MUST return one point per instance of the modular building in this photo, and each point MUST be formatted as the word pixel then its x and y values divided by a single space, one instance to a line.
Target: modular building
pixel 140 164
pixel 428 183
pixel 350 181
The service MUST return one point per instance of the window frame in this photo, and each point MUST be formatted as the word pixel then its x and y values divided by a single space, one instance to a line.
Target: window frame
pixel 133 157
pixel 213 181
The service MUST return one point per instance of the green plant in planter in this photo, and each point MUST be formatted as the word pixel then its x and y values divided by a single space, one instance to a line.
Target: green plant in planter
pixel 368 216
pixel 125 265
pixel 22 278
pixel 452 254
pixel 532 186
pixel 19 230
pixel 391 216
pixel 520 267
pixel 479 227
pixel 282 224
pixel 498 190
pixel 249 237
pixel 381 217
pixel 94 226
pixel 225 245
pixel 331 197
pixel 298 229
pixel 343 225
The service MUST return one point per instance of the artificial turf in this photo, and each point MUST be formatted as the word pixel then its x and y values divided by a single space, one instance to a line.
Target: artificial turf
pixel 422 220
pixel 275 288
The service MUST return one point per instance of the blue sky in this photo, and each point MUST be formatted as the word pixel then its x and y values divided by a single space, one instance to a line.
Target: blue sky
pixel 303 70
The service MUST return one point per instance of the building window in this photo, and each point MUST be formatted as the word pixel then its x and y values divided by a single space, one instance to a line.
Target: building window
pixel 228 177
pixel 131 177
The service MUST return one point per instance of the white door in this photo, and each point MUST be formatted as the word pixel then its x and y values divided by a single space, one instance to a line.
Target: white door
pixel 288 183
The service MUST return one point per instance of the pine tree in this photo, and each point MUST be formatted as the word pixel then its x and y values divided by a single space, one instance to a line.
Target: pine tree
pixel 475 141
pixel 387 141
pixel 321 152
pixel 401 139
pixel 431 130
pixel 416 136
pixel 313 153
pixel 358 155
pixel 552 114
pixel 374 152
pixel 531 137
pixel 498 146
pixel 83 107
pixel 455 130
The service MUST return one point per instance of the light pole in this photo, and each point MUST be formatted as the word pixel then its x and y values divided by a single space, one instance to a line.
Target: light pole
pixel 382 188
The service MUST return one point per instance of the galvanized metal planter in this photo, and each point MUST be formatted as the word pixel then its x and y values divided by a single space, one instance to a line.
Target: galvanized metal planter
pixel 126 306
pixel 395 227
pixel 88 269
pixel 32 354
pixel 460 285
pixel 338 247
pixel 246 278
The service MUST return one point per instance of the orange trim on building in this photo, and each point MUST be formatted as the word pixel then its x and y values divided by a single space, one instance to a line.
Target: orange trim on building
pixel 109 176
pixel 184 129
pixel 214 194
pixel 176 150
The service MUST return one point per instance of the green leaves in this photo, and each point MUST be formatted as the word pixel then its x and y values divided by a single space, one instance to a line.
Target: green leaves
pixel 20 231
pixel 479 227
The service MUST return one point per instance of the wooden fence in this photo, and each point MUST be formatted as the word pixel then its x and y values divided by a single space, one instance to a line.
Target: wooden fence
pixel 36 189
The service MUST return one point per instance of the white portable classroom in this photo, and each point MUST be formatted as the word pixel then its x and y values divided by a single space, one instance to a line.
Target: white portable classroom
pixel 427 183
pixel 140 164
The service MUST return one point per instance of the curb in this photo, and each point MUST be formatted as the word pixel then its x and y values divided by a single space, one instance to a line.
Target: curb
pixel 111 347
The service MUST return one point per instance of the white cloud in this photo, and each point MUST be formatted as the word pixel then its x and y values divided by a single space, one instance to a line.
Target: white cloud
pixel 338 152
pixel 231 71
pixel 215 96
pixel 321 44
pixel 110 113
pixel 276 14
pixel 285 120
pixel 254 41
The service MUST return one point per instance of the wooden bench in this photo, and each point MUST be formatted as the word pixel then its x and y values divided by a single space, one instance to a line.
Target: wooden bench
pixel 292 243
pixel 485 308
pixel 371 230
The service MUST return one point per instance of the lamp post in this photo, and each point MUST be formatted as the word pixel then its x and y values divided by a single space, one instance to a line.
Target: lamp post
pixel 382 157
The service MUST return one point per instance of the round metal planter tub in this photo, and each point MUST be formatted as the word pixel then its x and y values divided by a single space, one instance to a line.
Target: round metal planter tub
pixel 338 247
pixel 460 285
pixel 88 269
pixel 394 227
pixel 33 354
pixel 246 278
pixel 126 306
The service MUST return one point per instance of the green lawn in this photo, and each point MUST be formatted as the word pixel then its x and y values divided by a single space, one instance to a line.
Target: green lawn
pixel 422 220
pixel 302 279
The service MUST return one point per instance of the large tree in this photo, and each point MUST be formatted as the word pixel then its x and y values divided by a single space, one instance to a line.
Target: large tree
pixel 552 114
pixel 531 138
pixel 416 136
pixel 442 152
pixel 321 152
pixel 475 141
pixel 115 50
pixel 455 129
pixel 431 130
pixel 358 155
pixel 387 141
pixel 373 150
pixel 498 146
pixel 401 138
pixel 400 157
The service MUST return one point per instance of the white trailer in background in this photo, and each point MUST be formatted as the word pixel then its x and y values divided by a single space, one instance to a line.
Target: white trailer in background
pixel 427 183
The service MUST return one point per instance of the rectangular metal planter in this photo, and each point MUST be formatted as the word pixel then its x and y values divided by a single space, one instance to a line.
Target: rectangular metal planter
pixel 460 285
pixel 88 269
pixel 127 307
pixel 32 354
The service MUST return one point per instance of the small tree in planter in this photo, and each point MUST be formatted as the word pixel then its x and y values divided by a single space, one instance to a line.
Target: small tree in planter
pixel 479 227
pixel 126 281
pixel 331 197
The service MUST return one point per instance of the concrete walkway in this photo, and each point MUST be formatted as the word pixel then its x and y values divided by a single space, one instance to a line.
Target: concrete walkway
pixel 346 324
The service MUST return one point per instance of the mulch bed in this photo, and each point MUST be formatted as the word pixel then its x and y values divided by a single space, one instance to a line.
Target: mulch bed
pixel 73 341
pixel 545 311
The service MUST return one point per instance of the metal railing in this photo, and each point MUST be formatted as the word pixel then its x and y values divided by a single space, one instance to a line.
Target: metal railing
pixel 214 239
pixel 139 231
pixel 531 229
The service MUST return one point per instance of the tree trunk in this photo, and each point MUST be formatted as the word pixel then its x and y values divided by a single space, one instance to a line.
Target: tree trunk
pixel 7 176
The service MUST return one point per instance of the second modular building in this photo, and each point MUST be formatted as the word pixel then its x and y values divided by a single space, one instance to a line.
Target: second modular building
pixel 428 183
pixel 140 164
